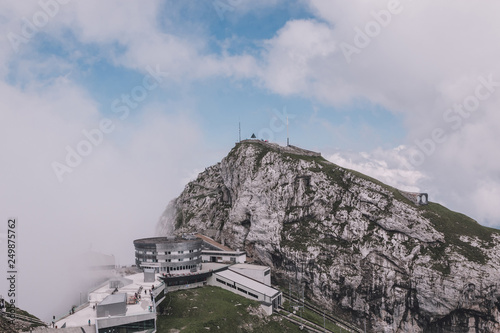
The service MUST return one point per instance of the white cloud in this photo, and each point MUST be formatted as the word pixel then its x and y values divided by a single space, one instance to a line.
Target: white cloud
pixel 427 59
pixel 388 166
pixel 485 201
pixel 134 37
pixel 295 56
pixel 234 10
pixel 114 196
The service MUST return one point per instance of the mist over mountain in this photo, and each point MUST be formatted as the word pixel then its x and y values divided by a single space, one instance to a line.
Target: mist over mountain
pixel 363 249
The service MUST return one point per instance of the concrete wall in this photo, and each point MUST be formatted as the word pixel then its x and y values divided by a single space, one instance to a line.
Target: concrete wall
pixel 223 256
pixel 268 308
pixel 212 281
pixel 186 286
pixel 115 309
pixel 266 302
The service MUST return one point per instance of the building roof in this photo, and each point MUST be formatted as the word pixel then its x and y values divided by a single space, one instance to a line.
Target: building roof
pixel 248 282
pixel 114 299
pixel 213 243
pixel 227 253
pixel 250 266
pixel 86 311
pixel 160 240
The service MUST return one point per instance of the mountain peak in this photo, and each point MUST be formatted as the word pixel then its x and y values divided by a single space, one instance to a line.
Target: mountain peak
pixel 368 250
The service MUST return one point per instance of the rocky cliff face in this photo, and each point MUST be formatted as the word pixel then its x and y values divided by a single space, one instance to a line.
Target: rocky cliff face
pixel 356 245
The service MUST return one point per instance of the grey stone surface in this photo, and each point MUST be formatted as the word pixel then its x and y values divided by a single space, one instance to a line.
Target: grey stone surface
pixel 365 251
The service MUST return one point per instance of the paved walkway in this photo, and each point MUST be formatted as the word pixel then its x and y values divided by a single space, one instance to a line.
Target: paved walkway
pixel 84 329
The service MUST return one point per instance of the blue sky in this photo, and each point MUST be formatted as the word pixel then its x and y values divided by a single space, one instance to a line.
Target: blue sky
pixel 374 88
pixel 217 102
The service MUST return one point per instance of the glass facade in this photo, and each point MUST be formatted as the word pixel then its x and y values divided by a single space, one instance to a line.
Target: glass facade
pixel 131 328
pixel 171 255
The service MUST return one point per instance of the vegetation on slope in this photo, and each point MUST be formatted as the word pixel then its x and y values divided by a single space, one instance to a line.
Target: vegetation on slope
pixel 9 325
pixel 453 225
pixel 215 309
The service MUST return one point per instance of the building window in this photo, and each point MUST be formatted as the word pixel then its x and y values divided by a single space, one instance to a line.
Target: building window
pixel 181 252
pixel 253 295
pixel 267 272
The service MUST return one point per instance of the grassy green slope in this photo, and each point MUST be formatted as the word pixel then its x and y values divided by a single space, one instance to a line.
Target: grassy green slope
pixel 215 309
pixel 454 225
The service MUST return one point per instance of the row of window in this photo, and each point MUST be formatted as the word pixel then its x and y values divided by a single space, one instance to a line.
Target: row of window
pixel 234 287
pixel 180 268
pixel 166 252
pixel 169 260
pixel 181 259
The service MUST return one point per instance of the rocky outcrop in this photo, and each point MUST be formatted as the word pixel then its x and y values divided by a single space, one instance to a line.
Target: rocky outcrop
pixel 357 246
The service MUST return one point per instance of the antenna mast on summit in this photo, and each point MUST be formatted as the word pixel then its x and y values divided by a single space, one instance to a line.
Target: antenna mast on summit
pixel 239 131
pixel 287 133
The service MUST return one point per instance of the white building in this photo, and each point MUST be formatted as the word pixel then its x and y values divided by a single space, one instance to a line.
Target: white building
pixel 232 257
pixel 256 272
pixel 213 251
pixel 119 305
pixel 240 284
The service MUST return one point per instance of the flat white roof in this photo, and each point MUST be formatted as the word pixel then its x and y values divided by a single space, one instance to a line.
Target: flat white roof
pixel 247 282
pixel 211 266
pixel 82 316
pixel 223 252
pixel 116 298
pixel 250 266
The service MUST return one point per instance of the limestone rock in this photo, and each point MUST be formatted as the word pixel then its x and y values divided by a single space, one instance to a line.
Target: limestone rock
pixel 358 246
